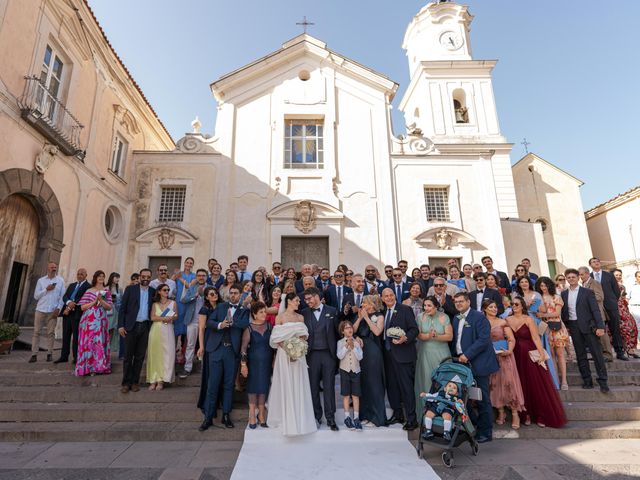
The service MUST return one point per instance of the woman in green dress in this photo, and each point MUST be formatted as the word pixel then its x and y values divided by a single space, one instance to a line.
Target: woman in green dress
pixel 433 345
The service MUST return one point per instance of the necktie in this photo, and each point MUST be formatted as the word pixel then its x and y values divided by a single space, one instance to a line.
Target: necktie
pixel 598 277
pixel 358 300
pixel 339 298
pixel 460 330
pixel 398 292
pixel 387 340
pixel 75 291
pixel 242 276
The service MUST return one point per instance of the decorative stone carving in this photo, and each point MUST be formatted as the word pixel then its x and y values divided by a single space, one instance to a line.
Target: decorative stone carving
pixel 196 125
pixel 443 239
pixel 194 143
pixel 166 239
pixel 414 143
pixel 305 217
pixel 45 158
pixel 126 119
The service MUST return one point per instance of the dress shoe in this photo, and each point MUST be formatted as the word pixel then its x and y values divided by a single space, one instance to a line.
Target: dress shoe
pixel 410 426
pixel 587 386
pixel 205 425
pixel 483 439
pixel 332 425
pixel 135 387
pixel 33 359
pixel 357 425
pixel 253 426
pixel 393 420
pixel 184 374
pixel 226 421
pixel 447 436
pixel 348 422
pixel 427 434
pixel 125 389
pixel 623 357
pixel 634 355
pixel 604 388
pixel 62 360
pixel 608 360
pixel 50 357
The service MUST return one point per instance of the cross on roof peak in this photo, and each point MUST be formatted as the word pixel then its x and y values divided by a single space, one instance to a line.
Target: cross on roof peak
pixel 305 23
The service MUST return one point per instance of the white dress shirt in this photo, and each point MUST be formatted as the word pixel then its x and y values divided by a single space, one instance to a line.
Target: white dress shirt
pixel 318 312
pixel 572 297
pixel 49 300
pixel 172 286
pixel 461 323
pixel 598 276
pixel 479 296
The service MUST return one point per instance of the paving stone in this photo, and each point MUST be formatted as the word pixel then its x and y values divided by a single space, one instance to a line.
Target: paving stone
pixel 79 454
pixel 15 455
pixel 217 474
pixel 181 474
pixel 158 454
pixel 82 474
pixel 216 454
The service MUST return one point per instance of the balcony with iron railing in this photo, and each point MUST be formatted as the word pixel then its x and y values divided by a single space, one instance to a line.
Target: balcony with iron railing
pixel 49 116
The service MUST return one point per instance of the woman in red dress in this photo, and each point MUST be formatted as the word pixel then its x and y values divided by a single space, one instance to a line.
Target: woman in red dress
pixel 541 400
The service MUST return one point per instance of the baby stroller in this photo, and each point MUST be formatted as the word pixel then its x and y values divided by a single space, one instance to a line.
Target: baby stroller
pixel 462 430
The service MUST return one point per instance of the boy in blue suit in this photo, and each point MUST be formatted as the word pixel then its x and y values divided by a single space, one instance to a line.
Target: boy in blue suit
pixel 472 345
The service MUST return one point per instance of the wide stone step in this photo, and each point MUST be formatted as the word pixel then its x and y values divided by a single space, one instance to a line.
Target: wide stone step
pixel 67 378
pixel 612 411
pixel 104 412
pixel 615 378
pixel 102 394
pixel 622 393
pixel 632 365
pixel 120 431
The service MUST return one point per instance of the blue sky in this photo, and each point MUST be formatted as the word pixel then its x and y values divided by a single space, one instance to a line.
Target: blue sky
pixel 566 78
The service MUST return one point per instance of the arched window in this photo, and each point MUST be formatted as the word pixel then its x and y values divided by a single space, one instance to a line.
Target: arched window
pixel 460 110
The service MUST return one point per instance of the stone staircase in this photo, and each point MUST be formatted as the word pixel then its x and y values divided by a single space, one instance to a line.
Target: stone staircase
pixel 46 402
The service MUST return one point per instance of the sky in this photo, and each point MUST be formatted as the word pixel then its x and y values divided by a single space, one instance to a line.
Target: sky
pixel 566 79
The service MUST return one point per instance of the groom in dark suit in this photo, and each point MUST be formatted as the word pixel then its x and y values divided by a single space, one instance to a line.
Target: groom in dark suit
pixel 224 335
pixel 71 316
pixel 472 345
pixel 322 323
pixel 400 360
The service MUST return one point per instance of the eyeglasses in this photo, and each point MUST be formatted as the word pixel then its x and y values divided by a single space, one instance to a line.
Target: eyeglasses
pixel 338 275
pixel 519 269
pixel 162 270
pixel 440 274
pixel 397 275
pixel 438 284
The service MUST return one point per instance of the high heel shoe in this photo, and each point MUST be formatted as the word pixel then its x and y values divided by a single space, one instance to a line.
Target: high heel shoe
pixel 252 426
pixel 527 420
pixel 263 424
pixel 515 422
pixel 152 386
pixel 501 417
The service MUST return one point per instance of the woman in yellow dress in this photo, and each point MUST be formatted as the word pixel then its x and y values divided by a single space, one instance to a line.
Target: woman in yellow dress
pixel 161 350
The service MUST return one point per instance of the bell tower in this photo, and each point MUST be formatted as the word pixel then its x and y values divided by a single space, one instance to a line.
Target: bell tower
pixel 450 95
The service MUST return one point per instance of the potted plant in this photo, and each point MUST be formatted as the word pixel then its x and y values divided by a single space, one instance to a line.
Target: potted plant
pixel 8 334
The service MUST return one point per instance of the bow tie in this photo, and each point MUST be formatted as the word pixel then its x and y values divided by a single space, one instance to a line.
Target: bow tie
pixel 233 306
pixel 317 309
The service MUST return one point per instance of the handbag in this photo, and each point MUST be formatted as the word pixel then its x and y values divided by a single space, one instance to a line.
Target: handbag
pixel 534 356
pixel 542 328
pixel 499 345
pixel 554 325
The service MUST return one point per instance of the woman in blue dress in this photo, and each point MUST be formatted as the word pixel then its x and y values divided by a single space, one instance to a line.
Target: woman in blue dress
pixel 183 281
pixel 256 363
pixel 368 326
pixel 533 300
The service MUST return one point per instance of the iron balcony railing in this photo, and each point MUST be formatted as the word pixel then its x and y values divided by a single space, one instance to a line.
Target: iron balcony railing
pixel 49 116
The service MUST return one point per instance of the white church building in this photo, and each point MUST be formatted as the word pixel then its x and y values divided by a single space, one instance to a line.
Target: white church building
pixel 304 165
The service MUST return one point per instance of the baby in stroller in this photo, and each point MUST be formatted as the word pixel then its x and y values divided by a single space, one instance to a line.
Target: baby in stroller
pixel 444 403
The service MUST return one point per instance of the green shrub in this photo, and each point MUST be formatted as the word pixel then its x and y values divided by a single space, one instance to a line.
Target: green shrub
pixel 9 331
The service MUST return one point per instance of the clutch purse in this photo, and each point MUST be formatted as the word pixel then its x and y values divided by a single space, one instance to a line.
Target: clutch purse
pixel 542 328
pixel 554 326
pixel 535 357
pixel 500 345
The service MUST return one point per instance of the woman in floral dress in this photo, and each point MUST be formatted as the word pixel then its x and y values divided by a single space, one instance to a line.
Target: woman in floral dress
pixel 628 327
pixel 549 312
pixel 94 352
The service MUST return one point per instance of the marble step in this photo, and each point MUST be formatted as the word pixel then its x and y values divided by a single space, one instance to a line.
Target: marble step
pixel 108 431
pixel 615 378
pixel 620 393
pixel 633 365
pixel 605 411
pixel 44 378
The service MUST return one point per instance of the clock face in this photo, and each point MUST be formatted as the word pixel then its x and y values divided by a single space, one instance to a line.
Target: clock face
pixel 450 40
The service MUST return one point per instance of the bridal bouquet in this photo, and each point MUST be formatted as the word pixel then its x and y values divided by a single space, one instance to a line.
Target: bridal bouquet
pixel 295 348
pixel 395 332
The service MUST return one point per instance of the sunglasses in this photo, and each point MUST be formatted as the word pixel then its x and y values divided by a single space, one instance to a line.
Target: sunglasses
pixel 370 271
pixel 165 290
pixel 338 275
pixel 440 274
pixel 397 275
pixel 519 269
pixel 211 294
pixel 438 284
pixel 163 270
pixel 560 279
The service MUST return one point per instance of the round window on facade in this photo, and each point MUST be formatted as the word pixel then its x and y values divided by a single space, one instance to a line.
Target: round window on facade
pixel 304 75
pixel 112 222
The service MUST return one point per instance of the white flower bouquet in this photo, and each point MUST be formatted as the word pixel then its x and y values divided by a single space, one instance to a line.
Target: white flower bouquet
pixel 395 332
pixel 295 348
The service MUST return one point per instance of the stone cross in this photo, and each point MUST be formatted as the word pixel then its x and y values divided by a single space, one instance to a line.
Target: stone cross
pixel 304 23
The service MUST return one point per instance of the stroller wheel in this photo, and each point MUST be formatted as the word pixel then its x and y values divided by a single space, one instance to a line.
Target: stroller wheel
pixel 447 459
pixel 474 448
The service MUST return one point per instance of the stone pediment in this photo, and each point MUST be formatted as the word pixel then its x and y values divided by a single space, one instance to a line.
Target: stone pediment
pixel 305 214
pixel 166 237
pixel 444 238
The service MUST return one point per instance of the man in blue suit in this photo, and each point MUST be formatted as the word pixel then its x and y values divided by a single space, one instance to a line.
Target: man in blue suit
pixel 223 337
pixel 339 294
pixel 399 288
pixel 472 345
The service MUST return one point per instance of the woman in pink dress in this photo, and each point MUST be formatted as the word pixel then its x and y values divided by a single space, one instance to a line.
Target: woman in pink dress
pixel 504 385
pixel 94 352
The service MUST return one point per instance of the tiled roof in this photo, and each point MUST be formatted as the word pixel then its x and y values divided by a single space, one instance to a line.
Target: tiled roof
pixel 624 197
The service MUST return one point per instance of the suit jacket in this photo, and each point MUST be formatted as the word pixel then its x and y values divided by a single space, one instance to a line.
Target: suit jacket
pixel 130 306
pixel 300 288
pixel 404 318
pixel 331 295
pixel 587 310
pixel 503 281
pixel 488 293
pixel 610 289
pixel 379 286
pixel 593 285
pixel 215 335
pixel 188 298
pixel 426 284
pixel 332 326
pixel 405 290
pixel 476 343
pixel 449 307
pixel 76 312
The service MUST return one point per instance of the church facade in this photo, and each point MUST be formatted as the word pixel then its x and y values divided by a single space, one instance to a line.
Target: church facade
pixel 304 166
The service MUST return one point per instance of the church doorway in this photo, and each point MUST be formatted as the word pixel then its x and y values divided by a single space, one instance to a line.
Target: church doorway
pixel 172 263
pixel 19 233
pixel 296 251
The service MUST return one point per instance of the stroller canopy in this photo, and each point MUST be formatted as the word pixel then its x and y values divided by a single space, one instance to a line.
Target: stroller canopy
pixel 449 371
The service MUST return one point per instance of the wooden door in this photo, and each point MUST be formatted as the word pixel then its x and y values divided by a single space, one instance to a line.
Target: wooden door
pixel 296 251
pixel 19 231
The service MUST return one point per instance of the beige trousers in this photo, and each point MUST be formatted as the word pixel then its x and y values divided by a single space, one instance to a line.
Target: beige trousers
pixel 47 320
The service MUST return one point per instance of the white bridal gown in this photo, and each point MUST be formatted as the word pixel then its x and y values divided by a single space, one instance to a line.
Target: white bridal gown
pixel 290 405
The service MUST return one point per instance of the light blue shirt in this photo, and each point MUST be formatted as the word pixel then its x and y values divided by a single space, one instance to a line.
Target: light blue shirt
pixel 143 310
